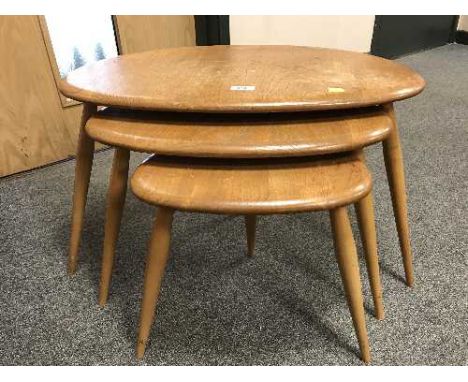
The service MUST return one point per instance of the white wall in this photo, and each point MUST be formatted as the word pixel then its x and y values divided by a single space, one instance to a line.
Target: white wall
pixel 463 23
pixel 340 32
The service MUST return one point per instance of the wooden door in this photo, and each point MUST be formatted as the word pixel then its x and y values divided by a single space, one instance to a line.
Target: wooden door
pixel 35 127
pixel 140 33
pixel 32 127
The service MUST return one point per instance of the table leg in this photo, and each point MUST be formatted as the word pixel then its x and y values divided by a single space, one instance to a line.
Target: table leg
pixel 84 163
pixel 250 226
pixel 396 179
pixel 346 257
pixel 155 265
pixel 115 203
pixel 366 220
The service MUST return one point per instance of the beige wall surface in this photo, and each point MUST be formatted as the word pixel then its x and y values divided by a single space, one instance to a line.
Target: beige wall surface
pixel 340 32
pixel 463 23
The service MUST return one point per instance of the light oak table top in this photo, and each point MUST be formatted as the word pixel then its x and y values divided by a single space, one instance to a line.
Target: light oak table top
pixel 252 186
pixel 240 135
pixel 242 79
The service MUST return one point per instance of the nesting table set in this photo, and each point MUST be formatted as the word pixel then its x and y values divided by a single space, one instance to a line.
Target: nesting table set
pixel 244 130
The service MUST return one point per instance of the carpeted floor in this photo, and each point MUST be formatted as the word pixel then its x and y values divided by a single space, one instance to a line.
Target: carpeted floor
pixel 284 306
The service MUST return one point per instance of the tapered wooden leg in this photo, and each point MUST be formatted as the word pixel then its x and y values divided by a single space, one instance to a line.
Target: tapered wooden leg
pixel 365 214
pixel 346 256
pixel 84 163
pixel 250 226
pixel 396 179
pixel 115 203
pixel 155 265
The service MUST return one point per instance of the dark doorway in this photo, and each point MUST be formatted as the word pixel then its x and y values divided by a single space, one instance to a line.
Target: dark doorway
pixel 398 35
pixel 212 30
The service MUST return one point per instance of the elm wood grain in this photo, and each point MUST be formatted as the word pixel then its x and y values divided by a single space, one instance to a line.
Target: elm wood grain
pixel 366 220
pixel 286 78
pixel 396 179
pixel 84 163
pixel 260 186
pixel 168 182
pixel 155 265
pixel 115 202
pixel 346 256
pixel 240 136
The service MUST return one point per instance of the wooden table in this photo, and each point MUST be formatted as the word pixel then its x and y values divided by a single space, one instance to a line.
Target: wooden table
pixel 235 139
pixel 240 80
pixel 260 186
pixel 201 79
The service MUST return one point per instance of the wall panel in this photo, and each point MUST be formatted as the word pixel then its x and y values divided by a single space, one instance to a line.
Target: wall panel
pixel 140 33
pixel 463 23
pixel 35 128
pixel 32 129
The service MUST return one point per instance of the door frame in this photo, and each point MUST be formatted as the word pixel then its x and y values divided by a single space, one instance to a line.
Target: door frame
pixel 212 30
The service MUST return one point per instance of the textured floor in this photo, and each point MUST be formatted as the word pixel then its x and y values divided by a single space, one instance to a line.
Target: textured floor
pixel 285 305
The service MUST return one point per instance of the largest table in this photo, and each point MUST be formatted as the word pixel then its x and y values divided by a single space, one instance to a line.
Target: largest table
pixel 243 79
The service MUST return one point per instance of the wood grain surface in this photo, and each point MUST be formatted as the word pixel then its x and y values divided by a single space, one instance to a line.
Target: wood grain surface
pixel 249 186
pixel 346 257
pixel 146 32
pixel 32 128
pixel 281 78
pixel 240 135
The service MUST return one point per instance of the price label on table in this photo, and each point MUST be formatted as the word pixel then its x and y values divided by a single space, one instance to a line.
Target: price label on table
pixel 243 88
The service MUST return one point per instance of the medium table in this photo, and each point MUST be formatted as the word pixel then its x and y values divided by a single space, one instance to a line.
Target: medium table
pixel 240 80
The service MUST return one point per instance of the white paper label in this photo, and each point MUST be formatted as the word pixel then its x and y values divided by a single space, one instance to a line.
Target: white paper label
pixel 243 88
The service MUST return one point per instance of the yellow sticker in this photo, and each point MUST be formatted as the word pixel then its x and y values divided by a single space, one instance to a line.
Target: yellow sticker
pixel 336 90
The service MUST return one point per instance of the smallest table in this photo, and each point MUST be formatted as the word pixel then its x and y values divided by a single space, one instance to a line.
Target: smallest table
pixel 257 186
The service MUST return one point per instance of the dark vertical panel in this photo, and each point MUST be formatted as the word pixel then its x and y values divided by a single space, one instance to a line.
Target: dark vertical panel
pixel 461 37
pixel 398 35
pixel 224 36
pixel 453 34
pixel 212 30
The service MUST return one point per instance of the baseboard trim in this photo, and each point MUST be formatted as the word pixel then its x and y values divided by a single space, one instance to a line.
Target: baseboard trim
pixel 461 37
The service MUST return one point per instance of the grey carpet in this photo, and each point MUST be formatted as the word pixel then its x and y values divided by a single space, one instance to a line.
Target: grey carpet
pixel 284 306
